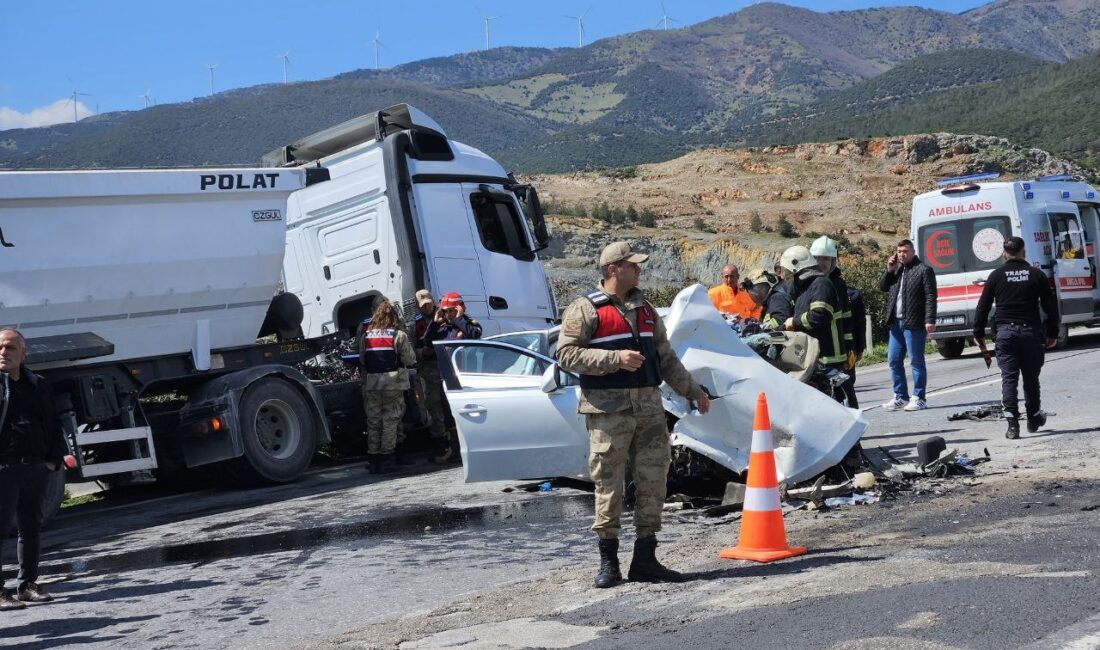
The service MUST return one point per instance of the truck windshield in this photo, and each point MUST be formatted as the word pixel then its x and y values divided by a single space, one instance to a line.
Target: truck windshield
pixel 964 244
pixel 500 227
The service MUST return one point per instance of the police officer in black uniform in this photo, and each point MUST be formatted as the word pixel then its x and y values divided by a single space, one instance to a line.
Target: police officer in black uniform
pixel 1019 290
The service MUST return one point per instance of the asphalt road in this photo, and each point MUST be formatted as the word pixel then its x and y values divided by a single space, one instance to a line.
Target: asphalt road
pixel 1005 560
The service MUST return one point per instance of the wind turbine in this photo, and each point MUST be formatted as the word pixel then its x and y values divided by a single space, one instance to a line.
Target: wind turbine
pixel 211 67
pixel 148 97
pixel 377 44
pixel 665 18
pixel 72 98
pixel 285 56
pixel 580 26
pixel 485 20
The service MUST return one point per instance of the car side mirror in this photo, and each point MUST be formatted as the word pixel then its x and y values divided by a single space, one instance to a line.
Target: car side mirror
pixel 551 380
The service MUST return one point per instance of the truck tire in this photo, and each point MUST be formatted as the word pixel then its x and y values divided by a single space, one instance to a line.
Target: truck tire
pixel 1062 342
pixel 950 348
pixel 277 431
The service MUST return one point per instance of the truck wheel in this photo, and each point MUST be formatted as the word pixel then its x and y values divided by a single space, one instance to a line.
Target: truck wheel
pixel 950 348
pixel 1062 342
pixel 277 429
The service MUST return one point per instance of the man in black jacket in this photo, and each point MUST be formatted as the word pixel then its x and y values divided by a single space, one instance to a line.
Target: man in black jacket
pixel 1019 290
pixel 31 446
pixel 910 318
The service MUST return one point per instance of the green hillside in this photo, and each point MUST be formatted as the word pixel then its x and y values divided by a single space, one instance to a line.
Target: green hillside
pixel 767 72
pixel 1052 107
pixel 239 127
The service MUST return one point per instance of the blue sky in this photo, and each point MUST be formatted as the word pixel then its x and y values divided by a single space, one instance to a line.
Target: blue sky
pixel 117 50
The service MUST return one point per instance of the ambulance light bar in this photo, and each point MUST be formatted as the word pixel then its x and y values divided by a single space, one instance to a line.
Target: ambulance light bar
pixel 1065 194
pixel 985 176
pixel 1053 178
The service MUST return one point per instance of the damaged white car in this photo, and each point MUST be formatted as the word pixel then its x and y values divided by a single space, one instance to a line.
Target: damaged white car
pixel 516 410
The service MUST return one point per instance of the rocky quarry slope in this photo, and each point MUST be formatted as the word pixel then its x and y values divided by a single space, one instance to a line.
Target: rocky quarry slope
pixel 716 206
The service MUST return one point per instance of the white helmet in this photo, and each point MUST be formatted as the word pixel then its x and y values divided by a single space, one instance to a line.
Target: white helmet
pixel 796 258
pixel 823 246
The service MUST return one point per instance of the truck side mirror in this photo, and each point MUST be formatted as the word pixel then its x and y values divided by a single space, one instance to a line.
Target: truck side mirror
pixel 538 219
pixel 550 379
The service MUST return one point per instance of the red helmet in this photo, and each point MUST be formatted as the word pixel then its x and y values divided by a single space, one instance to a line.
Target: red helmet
pixel 450 300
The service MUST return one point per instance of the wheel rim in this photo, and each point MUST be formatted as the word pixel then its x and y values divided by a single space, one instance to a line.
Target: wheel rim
pixel 277 429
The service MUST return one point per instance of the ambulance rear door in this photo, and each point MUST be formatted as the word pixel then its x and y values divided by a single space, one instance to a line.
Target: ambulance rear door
pixel 1072 270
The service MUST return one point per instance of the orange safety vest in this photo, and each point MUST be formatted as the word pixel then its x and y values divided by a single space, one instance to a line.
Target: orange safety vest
pixel 738 303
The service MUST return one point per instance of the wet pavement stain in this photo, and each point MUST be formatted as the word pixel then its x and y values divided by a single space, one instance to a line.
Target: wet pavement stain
pixel 430 520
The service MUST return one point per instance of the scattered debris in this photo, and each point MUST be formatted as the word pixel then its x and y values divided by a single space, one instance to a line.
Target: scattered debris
pixel 735 494
pixel 851 500
pixel 1090 508
pixel 863 481
pixel 979 413
pixel 929 449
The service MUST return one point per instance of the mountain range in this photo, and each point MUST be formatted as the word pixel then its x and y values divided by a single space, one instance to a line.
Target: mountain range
pixel 1024 69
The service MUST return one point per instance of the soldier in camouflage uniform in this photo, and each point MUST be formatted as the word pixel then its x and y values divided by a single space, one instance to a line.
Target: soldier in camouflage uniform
pixel 615 341
pixel 449 323
pixel 428 371
pixel 385 354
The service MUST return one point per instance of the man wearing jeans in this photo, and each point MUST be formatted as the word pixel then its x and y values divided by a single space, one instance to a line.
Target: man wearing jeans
pixel 910 317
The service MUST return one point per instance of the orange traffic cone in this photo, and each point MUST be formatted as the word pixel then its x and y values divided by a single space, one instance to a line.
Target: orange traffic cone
pixel 763 538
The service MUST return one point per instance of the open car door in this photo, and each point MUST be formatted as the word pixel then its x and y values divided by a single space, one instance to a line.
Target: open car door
pixel 509 427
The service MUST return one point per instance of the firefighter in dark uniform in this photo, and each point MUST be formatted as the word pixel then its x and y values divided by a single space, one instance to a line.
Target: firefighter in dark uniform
pixel 778 304
pixel 615 341
pixel 1019 290
pixel 824 250
pixel 816 306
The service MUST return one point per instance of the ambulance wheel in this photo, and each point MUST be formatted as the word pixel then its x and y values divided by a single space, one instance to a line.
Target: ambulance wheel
pixel 1062 342
pixel 277 431
pixel 950 348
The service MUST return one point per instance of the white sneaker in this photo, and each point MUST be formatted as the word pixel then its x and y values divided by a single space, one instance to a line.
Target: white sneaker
pixel 916 404
pixel 895 404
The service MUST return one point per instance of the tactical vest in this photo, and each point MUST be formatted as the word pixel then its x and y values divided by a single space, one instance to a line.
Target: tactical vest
pixel 614 333
pixel 379 354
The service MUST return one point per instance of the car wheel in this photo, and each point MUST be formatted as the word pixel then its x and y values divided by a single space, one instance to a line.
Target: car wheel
pixel 950 348
pixel 1062 342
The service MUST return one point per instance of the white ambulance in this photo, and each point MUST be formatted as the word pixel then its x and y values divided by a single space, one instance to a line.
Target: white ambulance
pixel 959 230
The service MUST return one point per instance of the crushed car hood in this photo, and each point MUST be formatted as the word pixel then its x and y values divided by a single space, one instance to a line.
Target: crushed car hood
pixel 811 431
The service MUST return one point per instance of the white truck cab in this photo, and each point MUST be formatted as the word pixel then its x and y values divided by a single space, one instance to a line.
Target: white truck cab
pixel 959 231
pixel 406 208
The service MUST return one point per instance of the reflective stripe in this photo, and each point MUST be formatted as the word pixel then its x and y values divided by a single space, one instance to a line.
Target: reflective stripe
pixel 762 499
pixel 761 441
pixel 613 337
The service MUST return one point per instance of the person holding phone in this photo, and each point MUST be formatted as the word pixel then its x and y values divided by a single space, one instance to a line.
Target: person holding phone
pixel 910 287
pixel 449 322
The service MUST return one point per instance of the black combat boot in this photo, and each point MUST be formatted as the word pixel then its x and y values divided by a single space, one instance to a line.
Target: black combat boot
pixel 644 566
pixel 385 464
pixel 399 458
pixel 1013 431
pixel 1035 421
pixel 609 574
pixel 374 464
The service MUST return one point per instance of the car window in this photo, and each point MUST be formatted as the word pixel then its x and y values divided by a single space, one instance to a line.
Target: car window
pixel 532 341
pixel 496 361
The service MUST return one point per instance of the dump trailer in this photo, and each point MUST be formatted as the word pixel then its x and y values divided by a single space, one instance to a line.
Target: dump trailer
pixel 169 308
